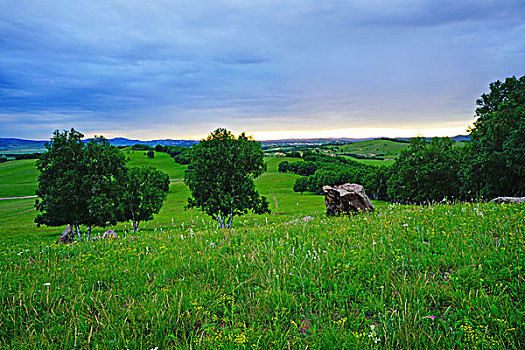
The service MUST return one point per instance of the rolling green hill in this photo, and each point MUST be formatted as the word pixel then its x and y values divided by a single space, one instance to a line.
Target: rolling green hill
pixel 18 178
pixel 443 276
pixel 374 148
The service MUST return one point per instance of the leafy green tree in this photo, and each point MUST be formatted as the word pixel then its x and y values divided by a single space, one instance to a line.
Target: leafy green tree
pixel 283 166
pixel 79 183
pixel 221 176
pixel 426 171
pixel 301 185
pixel 102 183
pixel 144 193
pixel 62 170
pixel 495 155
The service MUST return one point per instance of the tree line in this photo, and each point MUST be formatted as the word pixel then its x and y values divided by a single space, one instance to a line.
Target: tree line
pixel 491 164
pixel 88 184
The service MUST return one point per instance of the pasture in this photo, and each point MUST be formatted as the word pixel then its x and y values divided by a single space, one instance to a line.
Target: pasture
pixel 445 276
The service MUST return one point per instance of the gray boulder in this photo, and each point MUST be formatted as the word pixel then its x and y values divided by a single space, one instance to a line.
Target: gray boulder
pixel 343 199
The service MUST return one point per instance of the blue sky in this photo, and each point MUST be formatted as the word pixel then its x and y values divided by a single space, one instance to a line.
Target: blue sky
pixel 276 69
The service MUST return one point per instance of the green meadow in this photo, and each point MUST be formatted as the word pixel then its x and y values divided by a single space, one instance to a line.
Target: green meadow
pixel 448 276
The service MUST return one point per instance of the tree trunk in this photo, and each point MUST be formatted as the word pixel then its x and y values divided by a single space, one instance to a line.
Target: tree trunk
pixel 135 222
pixel 78 232
pixel 230 219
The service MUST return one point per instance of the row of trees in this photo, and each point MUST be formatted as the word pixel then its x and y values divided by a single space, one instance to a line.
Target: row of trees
pixel 321 170
pixel 89 184
pixel 491 164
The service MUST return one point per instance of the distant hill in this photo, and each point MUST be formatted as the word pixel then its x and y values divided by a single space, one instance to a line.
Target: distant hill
pixel 18 146
pixel 121 141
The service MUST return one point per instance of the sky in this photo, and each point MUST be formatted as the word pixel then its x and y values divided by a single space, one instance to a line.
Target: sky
pixel 154 69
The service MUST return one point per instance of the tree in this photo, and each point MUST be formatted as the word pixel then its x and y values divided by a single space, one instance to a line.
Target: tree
pixel 79 183
pixel 150 154
pixel 103 183
pixel 495 154
pixel 221 176
pixel 283 166
pixel 144 193
pixel 426 170
pixel 301 185
pixel 61 176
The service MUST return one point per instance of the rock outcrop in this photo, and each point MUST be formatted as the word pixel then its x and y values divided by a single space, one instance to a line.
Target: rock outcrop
pixel 67 235
pixel 346 198
pixel 509 200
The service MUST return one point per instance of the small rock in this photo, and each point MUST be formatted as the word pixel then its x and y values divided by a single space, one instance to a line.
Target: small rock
pixel 110 234
pixel 66 236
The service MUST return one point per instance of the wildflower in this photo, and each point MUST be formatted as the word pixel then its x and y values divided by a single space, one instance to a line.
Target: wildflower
pixel 47 284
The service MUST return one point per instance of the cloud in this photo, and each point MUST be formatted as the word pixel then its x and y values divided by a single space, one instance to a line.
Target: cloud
pixel 258 64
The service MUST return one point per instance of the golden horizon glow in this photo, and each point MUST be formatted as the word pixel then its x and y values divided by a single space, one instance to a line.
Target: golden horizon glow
pixel 355 133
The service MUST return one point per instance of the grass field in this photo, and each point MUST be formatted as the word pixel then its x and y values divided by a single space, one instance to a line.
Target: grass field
pixel 18 178
pixel 446 276
pixel 371 148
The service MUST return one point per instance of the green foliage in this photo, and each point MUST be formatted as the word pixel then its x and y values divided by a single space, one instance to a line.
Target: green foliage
pixel 283 166
pixel 88 184
pixel 293 154
pixel 221 176
pixel 180 154
pixel 62 170
pixel 495 156
pixel 142 147
pixel 426 171
pixel 325 170
pixel 144 193
pixel 301 185
pixel 27 156
pixel 102 182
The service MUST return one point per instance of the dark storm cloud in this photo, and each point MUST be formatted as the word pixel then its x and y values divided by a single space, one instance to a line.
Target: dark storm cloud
pixel 185 67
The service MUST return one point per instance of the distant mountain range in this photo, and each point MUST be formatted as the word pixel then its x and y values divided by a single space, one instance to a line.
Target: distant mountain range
pixel 121 141
pixel 14 145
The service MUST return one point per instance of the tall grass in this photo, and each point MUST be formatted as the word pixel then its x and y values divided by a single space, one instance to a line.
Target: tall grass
pixel 447 276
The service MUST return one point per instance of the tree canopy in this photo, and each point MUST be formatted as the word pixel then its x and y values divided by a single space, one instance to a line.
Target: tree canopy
pixel 426 171
pixel 102 183
pixel 221 173
pixel 495 156
pixel 144 193
pixel 87 183
pixel 61 176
